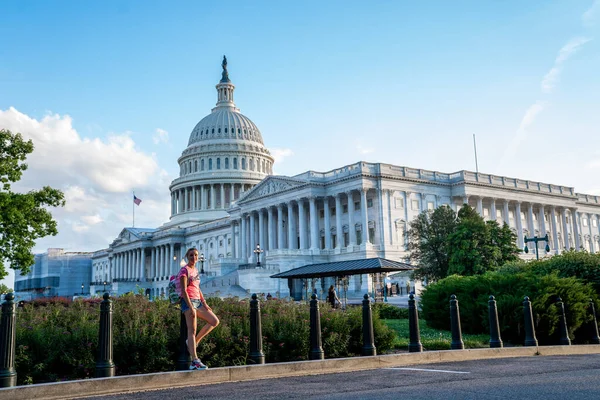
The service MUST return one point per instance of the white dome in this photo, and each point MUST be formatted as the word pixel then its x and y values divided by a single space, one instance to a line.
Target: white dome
pixel 225 123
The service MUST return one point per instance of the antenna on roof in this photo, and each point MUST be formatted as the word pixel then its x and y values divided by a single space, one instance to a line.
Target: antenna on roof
pixel 475 148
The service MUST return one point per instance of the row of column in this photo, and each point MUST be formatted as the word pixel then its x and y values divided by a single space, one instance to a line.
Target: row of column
pixel 130 264
pixel 557 219
pixel 266 226
pixel 205 197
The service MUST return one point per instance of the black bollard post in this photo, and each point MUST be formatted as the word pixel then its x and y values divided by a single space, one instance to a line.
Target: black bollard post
pixel 495 340
pixel 316 348
pixel 530 339
pixel 595 338
pixel 256 355
pixel 414 346
pixel 8 327
pixel 562 323
pixel 457 342
pixel 185 358
pixel 368 348
pixel 105 366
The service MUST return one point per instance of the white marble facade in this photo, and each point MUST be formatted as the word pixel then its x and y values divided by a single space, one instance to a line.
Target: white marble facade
pixel 226 201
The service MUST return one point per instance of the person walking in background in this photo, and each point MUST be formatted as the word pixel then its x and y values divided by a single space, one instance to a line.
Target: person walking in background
pixel 332 297
pixel 194 306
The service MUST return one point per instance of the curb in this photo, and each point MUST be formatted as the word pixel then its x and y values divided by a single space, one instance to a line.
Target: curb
pixel 166 380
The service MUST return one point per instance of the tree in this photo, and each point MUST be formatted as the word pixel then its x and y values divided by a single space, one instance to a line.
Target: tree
pixel 428 242
pixel 23 217
pixel 470 245
pixel 4 289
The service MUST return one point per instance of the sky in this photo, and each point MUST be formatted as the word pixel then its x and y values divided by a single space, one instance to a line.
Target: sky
pixel 109 92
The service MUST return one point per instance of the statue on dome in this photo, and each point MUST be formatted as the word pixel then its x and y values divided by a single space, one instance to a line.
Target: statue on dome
pixel 225 76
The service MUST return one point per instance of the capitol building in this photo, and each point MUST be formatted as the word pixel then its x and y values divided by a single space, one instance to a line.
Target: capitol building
pixel 226 201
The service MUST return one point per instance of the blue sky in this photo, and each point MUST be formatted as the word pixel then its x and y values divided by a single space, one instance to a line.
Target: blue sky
pixel 401 82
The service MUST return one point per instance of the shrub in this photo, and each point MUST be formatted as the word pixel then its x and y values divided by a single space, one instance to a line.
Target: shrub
pixel 388 311
pixel 509 289
pixel 58 339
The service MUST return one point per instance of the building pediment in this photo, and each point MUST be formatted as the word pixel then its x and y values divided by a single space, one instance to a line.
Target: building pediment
pixel 270 186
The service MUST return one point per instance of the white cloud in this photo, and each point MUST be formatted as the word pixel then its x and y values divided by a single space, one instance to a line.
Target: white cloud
pixel 570 48
pixel 281 154
pixel 97 176
pixel 530 115
pixel 550 79
pixel 161 136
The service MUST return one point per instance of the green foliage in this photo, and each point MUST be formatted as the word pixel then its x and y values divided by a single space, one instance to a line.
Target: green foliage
pixel 23 217
pixel 57 339
pixel 388 311
pixel 5 289
pixel 445 243
pixel 432 339
pixel 509 289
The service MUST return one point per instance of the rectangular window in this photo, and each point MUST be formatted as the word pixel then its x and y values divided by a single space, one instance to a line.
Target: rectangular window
pixel 345 208
pixel 414 205
pixel 332 212
pixel 594 223
pixel 584 221
pixel 322 213
pixel 372 235
pixel 399 202
pixel 358 238
pixel 498 214
pixel 334 240
pixel 486 212
pixel 345 239
pixel 357 205
pixel 322 242
pixel 369 203
pixel 430 205
pixel 534 217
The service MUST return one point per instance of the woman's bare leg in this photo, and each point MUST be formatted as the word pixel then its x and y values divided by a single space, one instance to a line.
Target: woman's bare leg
pixel 211 322
pixel 192 325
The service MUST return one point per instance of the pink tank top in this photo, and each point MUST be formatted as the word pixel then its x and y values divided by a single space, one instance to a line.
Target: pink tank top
pixel 193 281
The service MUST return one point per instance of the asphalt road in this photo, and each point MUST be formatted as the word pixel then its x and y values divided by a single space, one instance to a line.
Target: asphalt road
pixel 554 377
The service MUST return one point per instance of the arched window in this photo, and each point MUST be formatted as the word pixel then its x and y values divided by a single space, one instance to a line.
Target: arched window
pixel 210 164
pixel 195 165
pixel 202 165
pixel 226 163
pixel 190 167
pixel 252 164
pixel 235 166
pixel 244 163
pixel 218 163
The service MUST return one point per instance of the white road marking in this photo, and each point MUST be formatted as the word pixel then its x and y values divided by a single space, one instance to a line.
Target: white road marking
pixel 430 370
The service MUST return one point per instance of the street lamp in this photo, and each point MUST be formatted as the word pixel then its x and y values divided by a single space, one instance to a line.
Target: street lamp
pixel 82 289
pixel 104 286
pixel 201 259
pixel 536 239
pixel 257 251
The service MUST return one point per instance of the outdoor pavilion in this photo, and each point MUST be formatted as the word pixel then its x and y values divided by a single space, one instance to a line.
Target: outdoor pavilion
pixel 300 278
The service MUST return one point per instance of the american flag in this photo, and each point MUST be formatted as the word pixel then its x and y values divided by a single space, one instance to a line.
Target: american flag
pixel 136 200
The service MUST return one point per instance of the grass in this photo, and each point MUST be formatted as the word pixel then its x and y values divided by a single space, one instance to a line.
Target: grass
pixel 432 339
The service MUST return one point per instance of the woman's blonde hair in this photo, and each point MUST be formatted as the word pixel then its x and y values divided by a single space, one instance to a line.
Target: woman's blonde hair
pixel 188 252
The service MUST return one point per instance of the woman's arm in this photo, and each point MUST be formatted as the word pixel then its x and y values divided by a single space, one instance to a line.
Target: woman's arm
pixel 184 294
pixel 203 300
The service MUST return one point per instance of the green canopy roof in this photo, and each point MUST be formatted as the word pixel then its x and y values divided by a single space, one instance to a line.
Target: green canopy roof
pixel 341 268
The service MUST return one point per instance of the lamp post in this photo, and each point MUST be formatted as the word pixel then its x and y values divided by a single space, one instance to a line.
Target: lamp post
pixel 104 286
pixel 82 289
pixel 536 239
pixel 201 259
pixel 257 251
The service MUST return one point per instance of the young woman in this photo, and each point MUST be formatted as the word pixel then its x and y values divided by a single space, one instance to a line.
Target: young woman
pixel 194 306
pixel 332 297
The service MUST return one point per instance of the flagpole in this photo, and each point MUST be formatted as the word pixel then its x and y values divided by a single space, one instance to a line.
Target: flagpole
pixel 133 208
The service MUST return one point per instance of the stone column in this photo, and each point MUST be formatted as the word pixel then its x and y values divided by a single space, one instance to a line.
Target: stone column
pixel 233 249
pixel 314 223
pixel 389 213
pixel 530 223
pixel 575 221
pixel 480 206
pixel 327 223
pixel 193 197
pixel 592 244
pixel 171 263
pixel 261 229
pixel 302 224
pixel 280 229
pixel 565 229
pixel 222 196
pixel 519 223
pixel 554 230
pixel 213 197
pixel 506 213
pixel 243 249
pixel 152 262
pixel 542 220
pixel 252 233
pixel 231 192
pixel 365 215
pixel 143 266
pixel 339 228
pixel 271 227
pixel 291 230
pixel 493 209
pixel 351 224
pixel 202 205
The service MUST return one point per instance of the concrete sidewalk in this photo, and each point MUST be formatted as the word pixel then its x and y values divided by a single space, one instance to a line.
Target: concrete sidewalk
pixel 166 380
